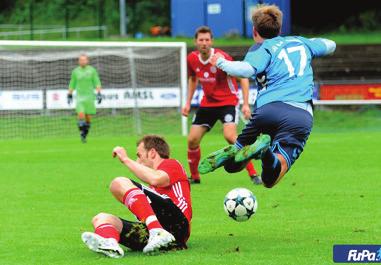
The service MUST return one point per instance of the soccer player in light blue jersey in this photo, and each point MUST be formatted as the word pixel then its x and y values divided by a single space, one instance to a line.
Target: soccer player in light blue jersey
pixel 282 119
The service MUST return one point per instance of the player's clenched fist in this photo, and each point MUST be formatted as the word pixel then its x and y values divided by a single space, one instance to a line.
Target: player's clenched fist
pixel 119 152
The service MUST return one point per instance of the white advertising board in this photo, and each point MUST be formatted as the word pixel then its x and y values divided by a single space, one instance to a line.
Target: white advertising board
pixel 121 98
pixel 21 100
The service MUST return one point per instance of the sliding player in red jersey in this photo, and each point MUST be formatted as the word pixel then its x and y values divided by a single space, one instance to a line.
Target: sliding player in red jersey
pixel 220 100
pixel 163 210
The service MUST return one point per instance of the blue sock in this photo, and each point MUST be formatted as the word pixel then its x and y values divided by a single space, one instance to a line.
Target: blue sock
pixel 269 158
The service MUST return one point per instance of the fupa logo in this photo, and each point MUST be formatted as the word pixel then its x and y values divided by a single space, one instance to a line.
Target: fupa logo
pixel 357 253
pixel 365 255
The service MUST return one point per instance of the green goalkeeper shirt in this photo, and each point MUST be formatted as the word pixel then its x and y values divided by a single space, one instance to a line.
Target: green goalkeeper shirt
pixel 84 80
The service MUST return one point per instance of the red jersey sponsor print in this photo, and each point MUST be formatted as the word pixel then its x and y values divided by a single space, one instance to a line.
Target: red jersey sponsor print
pixel 219 88
pixel 178 189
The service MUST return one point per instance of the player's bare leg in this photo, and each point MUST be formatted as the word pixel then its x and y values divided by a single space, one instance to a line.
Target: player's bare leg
pixel 125 191
pixel 105 237
pixel 230 134
pixel 194 153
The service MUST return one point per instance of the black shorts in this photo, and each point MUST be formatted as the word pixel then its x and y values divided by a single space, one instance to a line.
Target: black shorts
pixel 134 235
pixel 288 127
pixel 208 116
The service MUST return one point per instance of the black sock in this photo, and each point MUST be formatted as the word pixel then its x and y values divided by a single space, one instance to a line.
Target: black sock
pixel 86 128
pixel 231 166
pixel 268 158
pixel 81 127
pixel 270 174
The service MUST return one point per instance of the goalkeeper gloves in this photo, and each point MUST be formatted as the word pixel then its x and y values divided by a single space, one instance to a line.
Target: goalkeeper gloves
pixel 69 98
pixel 99 97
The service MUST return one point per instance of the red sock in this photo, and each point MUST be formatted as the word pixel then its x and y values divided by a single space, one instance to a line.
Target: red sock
pixel 107 231
pixel 138 204
pixel 193 159
pixel 250 169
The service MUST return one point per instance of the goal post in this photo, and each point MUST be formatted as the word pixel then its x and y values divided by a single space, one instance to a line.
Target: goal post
pixel 143 87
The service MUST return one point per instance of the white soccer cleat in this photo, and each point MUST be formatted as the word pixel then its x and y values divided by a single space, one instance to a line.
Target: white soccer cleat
pixel 158 238
pixel 106 246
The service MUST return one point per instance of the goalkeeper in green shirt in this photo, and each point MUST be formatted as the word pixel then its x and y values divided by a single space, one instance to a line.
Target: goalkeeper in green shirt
pixel 84 79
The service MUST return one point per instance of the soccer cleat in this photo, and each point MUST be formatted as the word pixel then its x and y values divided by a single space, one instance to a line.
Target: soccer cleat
pixel 158 239
pixel 194 181
pixel 257 180
pixel 255 150
pixel 217 159
pixel 106 246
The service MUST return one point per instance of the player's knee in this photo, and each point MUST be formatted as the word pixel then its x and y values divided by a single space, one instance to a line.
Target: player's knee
pixel 120 184
pixel 193 142
pixel 100 218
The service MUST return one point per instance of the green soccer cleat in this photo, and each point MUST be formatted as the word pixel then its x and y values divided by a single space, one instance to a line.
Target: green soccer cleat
pixel 255 150
pixel 217 159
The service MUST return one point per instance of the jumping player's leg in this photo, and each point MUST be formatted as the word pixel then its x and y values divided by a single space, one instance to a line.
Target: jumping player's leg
pixel 230 135
pixel 106 235
pixel 194 152
pixel 225 156
pixel 293 126
pixel 274 167
pixel 125 191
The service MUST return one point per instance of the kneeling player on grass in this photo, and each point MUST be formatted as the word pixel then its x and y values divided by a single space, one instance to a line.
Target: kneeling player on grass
pixel 164 209
pixel 283 117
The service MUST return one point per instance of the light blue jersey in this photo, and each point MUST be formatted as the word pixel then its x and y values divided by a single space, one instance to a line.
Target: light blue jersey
pixel 281 66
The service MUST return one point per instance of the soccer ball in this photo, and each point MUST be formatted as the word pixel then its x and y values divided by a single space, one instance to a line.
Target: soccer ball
pixel 240 204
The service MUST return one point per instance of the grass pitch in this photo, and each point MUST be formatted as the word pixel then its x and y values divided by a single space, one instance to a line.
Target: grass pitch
pixel 52 187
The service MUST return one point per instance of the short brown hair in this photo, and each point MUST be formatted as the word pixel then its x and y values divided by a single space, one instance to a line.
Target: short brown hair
pixel 203 29
pixel 156 142
pixel 267 20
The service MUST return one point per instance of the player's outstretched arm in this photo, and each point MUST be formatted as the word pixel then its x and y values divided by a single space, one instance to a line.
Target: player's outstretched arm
pixel 320 46
pixel 157 178
pixel 235 68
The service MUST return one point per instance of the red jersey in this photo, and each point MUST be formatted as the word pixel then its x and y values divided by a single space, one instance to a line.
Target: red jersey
pixel 178 189
pixel 219 88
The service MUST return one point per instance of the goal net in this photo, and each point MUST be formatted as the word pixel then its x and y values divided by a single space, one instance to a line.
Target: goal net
pixel 143 88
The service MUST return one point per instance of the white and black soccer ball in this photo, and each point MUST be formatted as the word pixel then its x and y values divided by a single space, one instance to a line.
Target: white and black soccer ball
pixel 240 204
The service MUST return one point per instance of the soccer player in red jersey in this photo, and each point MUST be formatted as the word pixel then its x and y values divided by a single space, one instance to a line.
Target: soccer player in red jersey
pixel 164 209
pixel 220 100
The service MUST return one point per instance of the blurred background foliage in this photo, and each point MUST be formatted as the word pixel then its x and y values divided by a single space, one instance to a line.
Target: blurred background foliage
pixel 307 18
